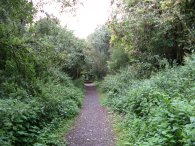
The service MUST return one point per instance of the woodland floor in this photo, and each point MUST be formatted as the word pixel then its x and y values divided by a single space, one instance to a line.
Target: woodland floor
pixel 92 127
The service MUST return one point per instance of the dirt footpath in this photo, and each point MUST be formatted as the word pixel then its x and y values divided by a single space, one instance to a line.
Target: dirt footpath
pixel 92 127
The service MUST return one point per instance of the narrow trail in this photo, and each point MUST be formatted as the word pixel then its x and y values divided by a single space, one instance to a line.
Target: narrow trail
pixel 92 126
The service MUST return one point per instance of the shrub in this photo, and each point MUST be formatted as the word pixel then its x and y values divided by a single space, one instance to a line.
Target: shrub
pixel 25 118
pixel 158 110
pixel 19 122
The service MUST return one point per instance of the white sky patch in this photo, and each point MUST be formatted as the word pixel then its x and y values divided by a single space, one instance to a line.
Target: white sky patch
pixel 88 16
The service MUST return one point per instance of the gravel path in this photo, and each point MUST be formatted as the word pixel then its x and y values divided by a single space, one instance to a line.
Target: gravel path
pixel 92 125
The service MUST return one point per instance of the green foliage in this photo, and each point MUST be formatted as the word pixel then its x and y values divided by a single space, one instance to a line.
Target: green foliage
pixel 54 133
pixel 158 110
pixel 19 122
pixel 97 52
pixel 99 40
pixel 155 101
pixel 36 60
pixel 61 46
pixel 23 119
pixel 148 28
pixel 117 60
pixel 16 11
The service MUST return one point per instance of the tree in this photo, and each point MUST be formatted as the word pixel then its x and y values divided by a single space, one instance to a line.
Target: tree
pixel 149 28
pixel 35 93
pixel 98 51
pixel 62 47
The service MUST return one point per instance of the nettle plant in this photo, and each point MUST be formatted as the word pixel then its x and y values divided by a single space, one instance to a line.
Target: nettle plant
pixel 158 110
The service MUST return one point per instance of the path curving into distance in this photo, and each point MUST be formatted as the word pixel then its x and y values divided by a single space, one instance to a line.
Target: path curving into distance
pixel 92 127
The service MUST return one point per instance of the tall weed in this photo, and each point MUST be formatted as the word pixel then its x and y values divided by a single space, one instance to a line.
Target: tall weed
pixel 159 110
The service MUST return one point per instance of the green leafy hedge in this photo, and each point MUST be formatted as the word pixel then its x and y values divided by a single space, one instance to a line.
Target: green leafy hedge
pixel 159 110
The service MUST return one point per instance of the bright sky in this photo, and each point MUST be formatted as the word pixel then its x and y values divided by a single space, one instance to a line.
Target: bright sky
pixel 88 16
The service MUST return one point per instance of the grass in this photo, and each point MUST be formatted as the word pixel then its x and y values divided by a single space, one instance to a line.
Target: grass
pixel 55 135
pixel 102 96
pixel 64 128
pixel 118 130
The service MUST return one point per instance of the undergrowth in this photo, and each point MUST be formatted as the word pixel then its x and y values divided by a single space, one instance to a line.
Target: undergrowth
pixel 155 111
pixel 27 119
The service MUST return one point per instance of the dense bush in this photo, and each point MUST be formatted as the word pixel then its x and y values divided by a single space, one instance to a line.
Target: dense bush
pixel 158 110
pixel 23 120
pixel 36 58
